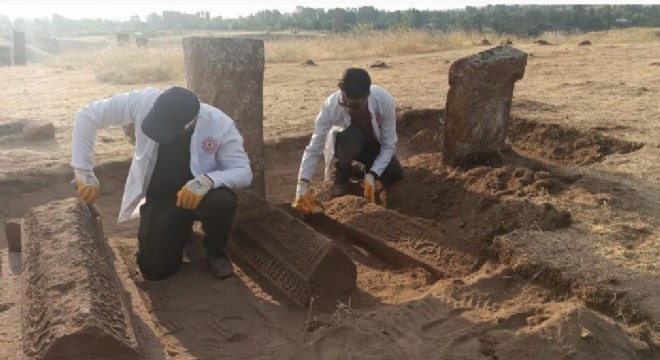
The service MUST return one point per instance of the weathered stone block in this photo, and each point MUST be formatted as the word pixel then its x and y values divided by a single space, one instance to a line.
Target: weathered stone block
pixel 39 130
pixel 291 255
pixel 73 304
pixel 13 234
pixel 141 42
pixel 229 74
pixel 479 104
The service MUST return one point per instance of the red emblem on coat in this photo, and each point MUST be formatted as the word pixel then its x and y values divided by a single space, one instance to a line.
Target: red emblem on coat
pixel 210 145
pixel 379 117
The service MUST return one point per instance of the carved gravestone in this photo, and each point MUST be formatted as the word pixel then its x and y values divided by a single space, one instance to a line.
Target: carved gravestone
pixel 292 256
pixel 479 105
pixel 229 74
pixel 401 239
pixel 73 305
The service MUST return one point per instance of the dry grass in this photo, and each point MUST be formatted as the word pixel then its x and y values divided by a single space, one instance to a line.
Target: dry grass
pixel 164 60
pixel 617 36
pixel 127 65
pixel 368 43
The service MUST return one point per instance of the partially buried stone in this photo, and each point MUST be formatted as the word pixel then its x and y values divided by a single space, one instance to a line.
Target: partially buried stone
pixel 39 130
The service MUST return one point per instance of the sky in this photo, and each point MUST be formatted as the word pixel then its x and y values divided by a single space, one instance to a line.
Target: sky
pixel 124 9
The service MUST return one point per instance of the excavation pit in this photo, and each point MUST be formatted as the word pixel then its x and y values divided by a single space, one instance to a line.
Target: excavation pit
pixel 468 283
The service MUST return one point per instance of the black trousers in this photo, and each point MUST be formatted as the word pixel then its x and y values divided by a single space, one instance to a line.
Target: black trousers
pixel 165 229
pixel 350 146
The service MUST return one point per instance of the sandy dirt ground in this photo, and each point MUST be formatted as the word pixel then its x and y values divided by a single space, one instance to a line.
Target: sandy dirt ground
pixel 561 237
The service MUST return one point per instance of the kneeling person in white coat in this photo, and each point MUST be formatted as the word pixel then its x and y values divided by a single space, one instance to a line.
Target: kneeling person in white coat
pixel 356 126
pixel 189 159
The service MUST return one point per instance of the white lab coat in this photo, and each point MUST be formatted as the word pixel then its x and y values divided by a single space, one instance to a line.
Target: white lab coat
pixel 333 118
pixel 216 147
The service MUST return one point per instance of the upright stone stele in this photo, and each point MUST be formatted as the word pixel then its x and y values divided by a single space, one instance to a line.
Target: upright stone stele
pixel 229 74
pixel 338 20
pixel 5 56
pixel 19 48
pixel 479 105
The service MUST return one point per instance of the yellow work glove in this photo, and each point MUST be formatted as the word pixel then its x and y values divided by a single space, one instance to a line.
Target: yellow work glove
pixel 370 187
pixel 87 185
pixel 304 202
pixel 192 193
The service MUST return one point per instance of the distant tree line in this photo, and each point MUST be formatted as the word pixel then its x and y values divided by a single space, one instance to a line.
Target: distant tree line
pixel 506 19
pixel 528 20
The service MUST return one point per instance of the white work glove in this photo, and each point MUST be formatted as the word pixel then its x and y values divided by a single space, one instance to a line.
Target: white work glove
pixel 87 185
pixel 370 187
pixel 302 188
pixel 304 202
pixel 193 192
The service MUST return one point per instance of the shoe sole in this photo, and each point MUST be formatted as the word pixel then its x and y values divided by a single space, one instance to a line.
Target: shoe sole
pixel 339 192
pixel 223 276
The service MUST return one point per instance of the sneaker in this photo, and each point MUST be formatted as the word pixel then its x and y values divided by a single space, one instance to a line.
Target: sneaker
pixel 341 185
pixel 340 188
pixel 221 267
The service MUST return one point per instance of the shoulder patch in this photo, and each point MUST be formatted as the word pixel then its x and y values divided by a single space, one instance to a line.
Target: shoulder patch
pixel 210 145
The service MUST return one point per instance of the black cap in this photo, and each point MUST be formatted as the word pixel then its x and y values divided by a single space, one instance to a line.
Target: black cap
pixel 175 108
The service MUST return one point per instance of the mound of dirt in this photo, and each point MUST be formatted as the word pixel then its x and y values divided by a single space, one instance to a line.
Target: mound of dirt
pixel 379 64
pixel 583 334
pixel 565 146
pixel 425 140
pixel 479 203
pixel 411 121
